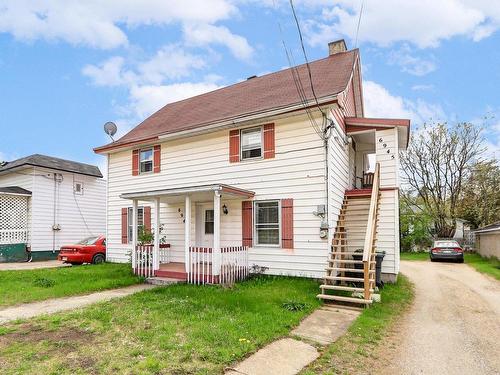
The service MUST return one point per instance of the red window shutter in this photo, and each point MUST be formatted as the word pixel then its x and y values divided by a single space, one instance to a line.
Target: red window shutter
pixel 156 159
pixel 247 222
pixel 287 223
pixel 268 141
pixel 147 218
pixel 135 162
pixel 234 146
pixel 124 225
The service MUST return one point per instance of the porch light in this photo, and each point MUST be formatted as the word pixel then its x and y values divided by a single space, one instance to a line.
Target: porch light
pixel 225 210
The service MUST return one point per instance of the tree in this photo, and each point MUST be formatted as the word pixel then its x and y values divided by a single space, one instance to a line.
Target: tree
pixel 437 162
pixel 479 201
pixel 414 224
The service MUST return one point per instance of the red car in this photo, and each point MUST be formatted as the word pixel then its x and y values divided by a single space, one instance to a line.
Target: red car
pixel 89 250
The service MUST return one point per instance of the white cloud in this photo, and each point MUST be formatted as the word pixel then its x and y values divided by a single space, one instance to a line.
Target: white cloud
pixel 108 73
pixel 379 102
pixel 98 23
pixel 170 62
pixel 424 23
pixel 422 87
pixel 409 63
pixel 147 99
pixel 204 34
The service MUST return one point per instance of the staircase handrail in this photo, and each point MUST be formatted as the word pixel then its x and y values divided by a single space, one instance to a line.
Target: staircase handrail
pixel 370 230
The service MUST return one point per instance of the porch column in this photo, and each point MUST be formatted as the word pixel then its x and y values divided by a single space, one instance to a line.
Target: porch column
pixel 156 252
pixel 187 231
pixel 134 233
pixel 216 249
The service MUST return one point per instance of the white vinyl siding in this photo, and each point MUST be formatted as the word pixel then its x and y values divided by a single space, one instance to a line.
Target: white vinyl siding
pixel 78 215
pixel 297 172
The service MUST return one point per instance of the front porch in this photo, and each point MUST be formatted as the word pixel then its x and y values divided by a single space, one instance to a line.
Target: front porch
pixel 207 258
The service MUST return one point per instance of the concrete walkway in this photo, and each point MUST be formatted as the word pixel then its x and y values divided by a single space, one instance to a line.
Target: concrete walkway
pixel 29 310
pixel 289 356
pixel 32 265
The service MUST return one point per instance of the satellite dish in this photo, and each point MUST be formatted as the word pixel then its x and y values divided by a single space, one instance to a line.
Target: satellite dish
pixel 110 129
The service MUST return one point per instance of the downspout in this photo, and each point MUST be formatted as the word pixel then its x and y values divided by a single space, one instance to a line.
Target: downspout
pixel 54 216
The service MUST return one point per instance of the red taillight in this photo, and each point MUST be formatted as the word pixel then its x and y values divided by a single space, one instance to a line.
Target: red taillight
pixel 435 250
pixel 458 250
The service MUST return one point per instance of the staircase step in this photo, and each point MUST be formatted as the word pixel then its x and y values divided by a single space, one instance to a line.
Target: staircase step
pixel 353 270
pixel 347 261
pixel 342 278
pixel 347 253
pixel 344 288
pixel 344 299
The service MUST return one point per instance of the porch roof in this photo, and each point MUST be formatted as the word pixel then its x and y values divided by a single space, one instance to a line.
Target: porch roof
pixel 14 190
pixel 179 191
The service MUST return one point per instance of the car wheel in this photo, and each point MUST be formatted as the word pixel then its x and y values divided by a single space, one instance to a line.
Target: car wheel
pixel 76 263
pixel 98 259
pixel 461 260
pixel 433 260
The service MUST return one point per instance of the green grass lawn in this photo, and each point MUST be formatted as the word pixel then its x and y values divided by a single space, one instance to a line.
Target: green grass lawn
pixel 350 353
pixel 489 266
pixel 179 329
pixel 36 285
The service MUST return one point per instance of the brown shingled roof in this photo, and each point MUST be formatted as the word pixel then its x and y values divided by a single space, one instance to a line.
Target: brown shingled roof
pixel 271 91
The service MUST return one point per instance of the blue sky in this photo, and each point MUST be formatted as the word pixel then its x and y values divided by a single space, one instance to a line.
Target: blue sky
pixel 67 67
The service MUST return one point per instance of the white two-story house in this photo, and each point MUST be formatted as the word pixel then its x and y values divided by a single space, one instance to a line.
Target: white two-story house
pixel 262 173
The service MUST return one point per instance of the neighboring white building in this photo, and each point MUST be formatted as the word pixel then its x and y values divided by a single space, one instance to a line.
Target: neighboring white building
pixel 46 202
pixel 243 167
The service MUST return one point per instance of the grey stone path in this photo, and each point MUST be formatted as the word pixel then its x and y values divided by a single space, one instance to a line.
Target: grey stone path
pixel 32 265
pixel 289 356
pixel 29 310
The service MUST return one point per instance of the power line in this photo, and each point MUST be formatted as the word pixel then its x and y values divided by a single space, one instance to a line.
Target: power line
pixel 305 55
pixel 359 23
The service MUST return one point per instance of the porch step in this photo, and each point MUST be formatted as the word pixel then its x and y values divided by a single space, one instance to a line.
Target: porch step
pixel 344 288
pixel 162 281
pixel 344 299
pixel 171 275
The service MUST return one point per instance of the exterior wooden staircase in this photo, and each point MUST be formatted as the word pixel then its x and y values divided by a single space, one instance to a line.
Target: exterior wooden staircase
pixel 351 262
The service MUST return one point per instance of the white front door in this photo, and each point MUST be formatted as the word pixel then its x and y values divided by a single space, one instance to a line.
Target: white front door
pixel 205 225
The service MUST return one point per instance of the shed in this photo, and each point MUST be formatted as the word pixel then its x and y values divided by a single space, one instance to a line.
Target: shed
pixel 488 240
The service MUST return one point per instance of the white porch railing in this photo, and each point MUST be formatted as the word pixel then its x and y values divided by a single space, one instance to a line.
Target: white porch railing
pixel 164 255
pixel 144 260
pixel 200 266
pixel 233 265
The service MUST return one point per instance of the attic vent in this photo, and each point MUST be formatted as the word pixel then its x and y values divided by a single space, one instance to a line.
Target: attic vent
pixel 251 77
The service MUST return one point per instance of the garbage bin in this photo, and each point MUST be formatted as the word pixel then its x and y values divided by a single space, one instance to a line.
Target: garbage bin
pixel 358 256
pixel 379 257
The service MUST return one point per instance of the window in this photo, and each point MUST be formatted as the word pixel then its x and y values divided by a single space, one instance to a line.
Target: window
pixel 209 221
pixel 267 223
pixel 251 143
pixel 140 222
pixel 146 160
pixel 78 187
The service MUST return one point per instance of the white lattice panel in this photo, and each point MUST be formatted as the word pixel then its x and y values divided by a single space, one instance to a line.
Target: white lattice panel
pixel 14 219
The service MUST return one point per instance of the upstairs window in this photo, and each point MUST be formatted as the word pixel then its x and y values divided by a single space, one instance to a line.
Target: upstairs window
pixel 251 143
pixel 146 160
pixel 78 188
pixel 267 223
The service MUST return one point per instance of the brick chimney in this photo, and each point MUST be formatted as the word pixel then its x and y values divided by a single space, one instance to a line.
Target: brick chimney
pixel 336 47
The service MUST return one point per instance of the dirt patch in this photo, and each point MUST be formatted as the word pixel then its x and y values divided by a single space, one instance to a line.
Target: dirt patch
pixel 65 343
pixel 29 334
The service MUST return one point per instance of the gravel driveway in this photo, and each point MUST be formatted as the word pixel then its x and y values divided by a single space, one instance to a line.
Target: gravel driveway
pixel 454 325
